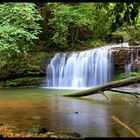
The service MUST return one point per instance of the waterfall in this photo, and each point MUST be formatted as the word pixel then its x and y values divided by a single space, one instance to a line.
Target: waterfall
pixel 128 66
pixel 133 59
pixel 81 69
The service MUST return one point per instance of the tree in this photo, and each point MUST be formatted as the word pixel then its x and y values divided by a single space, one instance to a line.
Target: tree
pixel 18 27
pixel 122 13
pixel 68 17
pixel 64 16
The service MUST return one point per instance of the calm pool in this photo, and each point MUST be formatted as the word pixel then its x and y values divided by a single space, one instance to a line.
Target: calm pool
pixel 90 116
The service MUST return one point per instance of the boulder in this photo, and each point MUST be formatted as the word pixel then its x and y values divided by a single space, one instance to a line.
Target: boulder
pixel 123 56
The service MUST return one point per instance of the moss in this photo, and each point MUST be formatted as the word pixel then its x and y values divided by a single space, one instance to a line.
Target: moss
pixel 28 81
pixel 86 45
pixel 38 58
pixel 134 74
pixel 69 135
pixel 98 43
pixel 38 130
pixel 119 74
pixel 130 33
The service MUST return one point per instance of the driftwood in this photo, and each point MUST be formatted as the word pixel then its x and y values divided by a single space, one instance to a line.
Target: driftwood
pixel 125 126
pixel 99 89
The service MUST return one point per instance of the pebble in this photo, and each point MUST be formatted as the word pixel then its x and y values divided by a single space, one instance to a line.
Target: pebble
pixel 76 112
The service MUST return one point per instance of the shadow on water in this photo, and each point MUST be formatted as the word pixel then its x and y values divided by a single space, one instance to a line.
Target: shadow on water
pixel 90 116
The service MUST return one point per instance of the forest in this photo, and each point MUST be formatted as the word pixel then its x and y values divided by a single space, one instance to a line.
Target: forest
pixel 31 32
pixel 61 44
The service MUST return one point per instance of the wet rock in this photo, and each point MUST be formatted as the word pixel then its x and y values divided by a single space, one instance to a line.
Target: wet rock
pixel 1 124
pixel 136 63
pixel 53 136
pixel 114 38
pixel 38 130
pixel 50 133
pixel 120 57
pixel 76 112
pixel 69 135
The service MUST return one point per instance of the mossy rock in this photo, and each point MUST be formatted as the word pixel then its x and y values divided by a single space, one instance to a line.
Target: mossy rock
pixel 69 135
pixel 38 130
pixel 26 81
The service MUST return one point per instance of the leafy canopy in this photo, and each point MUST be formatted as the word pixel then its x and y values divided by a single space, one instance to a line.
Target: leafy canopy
pixel 64 16
pixel 19 27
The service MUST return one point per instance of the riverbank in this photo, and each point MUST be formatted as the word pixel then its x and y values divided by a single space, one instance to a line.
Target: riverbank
pixel 7 131
pixel 22 82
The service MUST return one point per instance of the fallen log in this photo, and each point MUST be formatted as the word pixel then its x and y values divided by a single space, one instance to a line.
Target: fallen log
pixel 99 89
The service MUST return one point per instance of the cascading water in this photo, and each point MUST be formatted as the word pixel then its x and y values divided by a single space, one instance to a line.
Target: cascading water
pixel 133 59
pixel 129 65
pixel 81 69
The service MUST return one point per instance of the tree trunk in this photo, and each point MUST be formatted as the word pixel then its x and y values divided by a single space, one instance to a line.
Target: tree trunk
pixel 46 14
pixel 104 87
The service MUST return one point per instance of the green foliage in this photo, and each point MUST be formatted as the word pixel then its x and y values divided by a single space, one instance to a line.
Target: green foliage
pixel 38 130
pixel 134 74
pixel 124 13
pixel 120 74
pixel 19 27
pixel 100 21
pixel 28 64
pixel 65 16
pixel 129 33
pixel 97 43
pixel 21 81
pixel 38 58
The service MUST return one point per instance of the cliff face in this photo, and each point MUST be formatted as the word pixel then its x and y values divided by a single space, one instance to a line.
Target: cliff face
pixel 124 56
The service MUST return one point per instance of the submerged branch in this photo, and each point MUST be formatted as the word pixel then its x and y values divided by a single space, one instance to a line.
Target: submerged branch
pixel 125 126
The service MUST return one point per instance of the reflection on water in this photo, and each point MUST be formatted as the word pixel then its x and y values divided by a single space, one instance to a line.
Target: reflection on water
pixel 90 116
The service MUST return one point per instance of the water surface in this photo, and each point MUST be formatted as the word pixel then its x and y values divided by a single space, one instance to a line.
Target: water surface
pixel 90 116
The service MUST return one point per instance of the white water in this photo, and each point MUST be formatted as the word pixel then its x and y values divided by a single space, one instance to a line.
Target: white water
pixel 81 69
pixel 128 66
